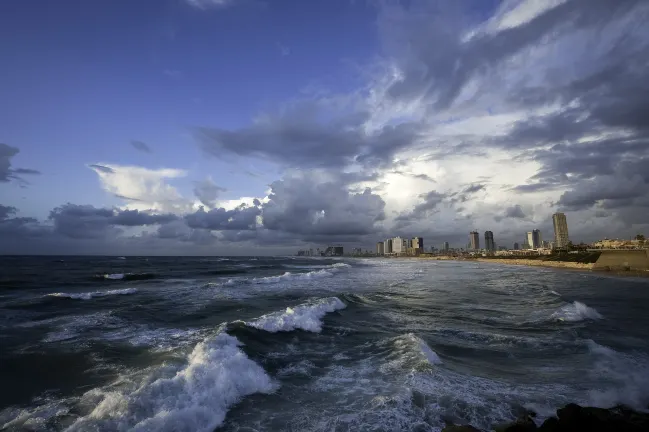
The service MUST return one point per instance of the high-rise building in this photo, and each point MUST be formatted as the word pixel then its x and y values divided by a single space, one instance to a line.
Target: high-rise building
pixel 516 247
pixel 489 241
pixel 445 247
pixel 398 246
pixel 387 247
pixel 380 247
pixel 537 241
pixel 560 230
pixel 474 240
pixel 529 240
pixel 418 243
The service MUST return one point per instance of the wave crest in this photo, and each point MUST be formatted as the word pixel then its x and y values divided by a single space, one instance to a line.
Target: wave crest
pixel 90 295
pixel 576 311
pixel 306 316
pixel 195 398
pixel 126 276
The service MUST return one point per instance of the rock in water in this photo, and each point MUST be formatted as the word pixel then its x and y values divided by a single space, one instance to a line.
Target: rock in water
pixel 455 428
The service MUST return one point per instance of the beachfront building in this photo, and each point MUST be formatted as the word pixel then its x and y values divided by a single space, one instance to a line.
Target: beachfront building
pixel 398 246
pixel 560 230
pixel 516 246
pixel 445 247
pixel 380 247
pixel 387 247
pixel 418 243
pixel 474 240
pixel 489 241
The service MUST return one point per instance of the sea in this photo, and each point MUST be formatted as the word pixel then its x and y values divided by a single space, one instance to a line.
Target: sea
pixel 310 344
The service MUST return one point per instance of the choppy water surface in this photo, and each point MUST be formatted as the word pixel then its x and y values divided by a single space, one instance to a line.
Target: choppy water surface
pixel 198 344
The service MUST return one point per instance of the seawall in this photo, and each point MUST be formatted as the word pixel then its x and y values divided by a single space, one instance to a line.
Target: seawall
pixel 617 260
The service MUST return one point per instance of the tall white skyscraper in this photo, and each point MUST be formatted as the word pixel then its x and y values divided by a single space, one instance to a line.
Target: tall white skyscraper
pixel 560 230
pixel 397 245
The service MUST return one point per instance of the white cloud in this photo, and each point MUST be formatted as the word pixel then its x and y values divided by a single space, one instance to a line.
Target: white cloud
pixel 143 188
pixel 208 4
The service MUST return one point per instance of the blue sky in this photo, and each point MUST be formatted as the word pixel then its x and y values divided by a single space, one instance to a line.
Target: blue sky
pixel 86 78
pixel 303 123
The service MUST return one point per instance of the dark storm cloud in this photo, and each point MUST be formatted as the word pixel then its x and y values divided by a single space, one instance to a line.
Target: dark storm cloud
pixel 102 168
pixel 6 211
pixel 85 221
pixel 440 70
pixel 289 141
pixel 616 190
pixel 7 173
pixel 302 206
pixel 515 212
pixel 241 218
pixel 422 210
pixel 207 192
pixel 141 146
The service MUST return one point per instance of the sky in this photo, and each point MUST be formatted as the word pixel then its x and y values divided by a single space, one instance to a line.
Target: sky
pixel 251 127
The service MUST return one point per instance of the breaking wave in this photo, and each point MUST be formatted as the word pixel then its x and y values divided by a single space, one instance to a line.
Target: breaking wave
pixel 126 276
pixel 576 311
pixel 288 276
pixel 306 316
pixel 90 295
pixel 195 397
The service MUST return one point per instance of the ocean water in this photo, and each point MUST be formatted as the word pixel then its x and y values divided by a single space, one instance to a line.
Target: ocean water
pixel 309 344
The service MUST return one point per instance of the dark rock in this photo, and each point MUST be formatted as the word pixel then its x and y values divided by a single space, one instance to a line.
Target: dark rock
pixel 418 399
pixel 524 423
pixel 550 425
pixel 617 419
pixel 456 428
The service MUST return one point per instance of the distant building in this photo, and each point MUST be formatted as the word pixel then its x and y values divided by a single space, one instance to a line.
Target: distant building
pixel 418 243
pixel 474 240
pixel 560 230
pixel 445 247
pixel 398 246
pixel 387 247
pixel 489 241
pixel 529 240
pixel 408 243
pixel 380 248
pixel 516 247
pixel 537 241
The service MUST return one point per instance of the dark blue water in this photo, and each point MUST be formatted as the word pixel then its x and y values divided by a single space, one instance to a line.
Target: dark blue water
pixel 242 344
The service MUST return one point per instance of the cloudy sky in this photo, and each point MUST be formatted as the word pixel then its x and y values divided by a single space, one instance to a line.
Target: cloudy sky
pixel 261 127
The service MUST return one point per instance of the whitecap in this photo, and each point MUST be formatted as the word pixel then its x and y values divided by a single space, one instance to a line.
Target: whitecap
pixel 306 316
pixel 114 276
pixel 90 295
pixel 195 397
pixel 288 276
pixel 576 311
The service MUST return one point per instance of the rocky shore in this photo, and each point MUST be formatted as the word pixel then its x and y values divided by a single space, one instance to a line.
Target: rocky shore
pixel 571 418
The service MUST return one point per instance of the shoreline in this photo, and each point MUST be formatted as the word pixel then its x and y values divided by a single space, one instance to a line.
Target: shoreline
pixel 567 265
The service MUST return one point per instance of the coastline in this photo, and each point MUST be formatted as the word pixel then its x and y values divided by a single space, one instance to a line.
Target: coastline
pixel 586 267
pixel 539 263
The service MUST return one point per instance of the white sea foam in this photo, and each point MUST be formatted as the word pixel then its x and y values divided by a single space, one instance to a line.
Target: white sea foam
pixel 576 311
pixel 114 276
pixel 306 316
pixel 90 295
pixel 626 377
pixel 407 351
pixel 288 276
pixel 196 397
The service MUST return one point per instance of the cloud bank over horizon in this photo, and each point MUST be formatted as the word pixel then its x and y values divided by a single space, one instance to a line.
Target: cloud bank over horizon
pixel 464 118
